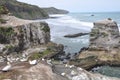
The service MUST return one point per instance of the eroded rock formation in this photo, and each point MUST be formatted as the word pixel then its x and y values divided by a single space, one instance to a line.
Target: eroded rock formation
pixel 104 46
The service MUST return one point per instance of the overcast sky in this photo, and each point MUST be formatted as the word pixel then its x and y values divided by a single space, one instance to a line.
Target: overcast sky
pixel 79 5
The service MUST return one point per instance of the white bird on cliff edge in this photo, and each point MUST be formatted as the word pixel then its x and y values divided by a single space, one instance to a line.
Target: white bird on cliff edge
pixel 33 62
pixel 63 74
pixel 7 67
pixel 43 59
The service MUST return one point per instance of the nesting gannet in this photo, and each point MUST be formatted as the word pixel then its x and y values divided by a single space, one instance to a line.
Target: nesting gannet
pixel 63 74
pixel 73 72
pixel 79 69
pixel 7 67
pixel 49 62
pixel 43 59
pixel 33 62
pixel 66 65
pixel 71 66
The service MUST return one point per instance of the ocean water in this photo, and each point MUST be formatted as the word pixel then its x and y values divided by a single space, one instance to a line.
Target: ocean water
pixel 74 23
pixel 79 22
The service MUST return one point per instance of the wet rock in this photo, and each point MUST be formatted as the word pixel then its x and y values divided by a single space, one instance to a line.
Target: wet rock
pixel 75 35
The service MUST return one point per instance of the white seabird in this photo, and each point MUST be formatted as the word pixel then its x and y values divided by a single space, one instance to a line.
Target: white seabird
pixel 63 74
pixel 66 65
pixel 73 72
pixel 7 67
pixel 71 66
pixel 43 59
pixel 33 62
pixel 49 62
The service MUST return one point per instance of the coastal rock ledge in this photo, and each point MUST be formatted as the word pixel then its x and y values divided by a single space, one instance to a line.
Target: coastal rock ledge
pixel 104 48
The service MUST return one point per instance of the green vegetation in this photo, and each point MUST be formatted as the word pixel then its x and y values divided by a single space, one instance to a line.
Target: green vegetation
pixel 9 47
pixel 3 10
pixel 39 55
pixel 52 10
pixel 23 10
pixel 46 29
pixel 6 34
pixel 104 34
pixel 94 32
pixel 2 20
pixel 6 31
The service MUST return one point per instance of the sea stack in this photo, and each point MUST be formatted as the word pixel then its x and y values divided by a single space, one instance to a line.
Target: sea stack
pixel 104 47
pixel 104 35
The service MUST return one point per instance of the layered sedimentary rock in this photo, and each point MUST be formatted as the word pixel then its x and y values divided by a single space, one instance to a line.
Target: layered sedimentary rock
pixel 105 35
pixel 104 46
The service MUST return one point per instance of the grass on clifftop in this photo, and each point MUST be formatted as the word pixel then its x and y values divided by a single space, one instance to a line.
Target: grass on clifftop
pixel 39 55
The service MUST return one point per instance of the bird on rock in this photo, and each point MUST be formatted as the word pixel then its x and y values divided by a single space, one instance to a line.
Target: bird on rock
pixel 7 67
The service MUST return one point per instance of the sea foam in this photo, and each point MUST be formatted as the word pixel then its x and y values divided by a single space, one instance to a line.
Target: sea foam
pixel 69 21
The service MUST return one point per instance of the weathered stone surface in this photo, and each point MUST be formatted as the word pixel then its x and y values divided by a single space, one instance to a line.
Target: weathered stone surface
pixel 104 46
pixel 105 35
pixel 77 73
pixel 25 36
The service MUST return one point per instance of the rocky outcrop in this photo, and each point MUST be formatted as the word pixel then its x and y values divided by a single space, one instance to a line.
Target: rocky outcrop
pixel 105 35
pixel 25 36
pixel 25 71
pixel 75 35
pixel 23 10
pixel 26 39
pixel 104 46
pixel 52 10
pixel 43 71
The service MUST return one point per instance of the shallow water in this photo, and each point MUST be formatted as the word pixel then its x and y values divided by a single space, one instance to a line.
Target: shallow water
pixel 109 71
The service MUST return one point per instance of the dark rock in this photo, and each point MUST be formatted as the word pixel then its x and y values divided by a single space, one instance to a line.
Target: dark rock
pixel 75 35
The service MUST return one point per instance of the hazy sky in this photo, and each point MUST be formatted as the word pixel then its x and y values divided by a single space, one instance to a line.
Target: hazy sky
pixel 79 5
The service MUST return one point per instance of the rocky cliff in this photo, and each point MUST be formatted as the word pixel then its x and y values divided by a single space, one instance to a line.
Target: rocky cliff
pixel 105 35
pixel 25 39
pixel 104 48
pixel 23 10
pixel 52 10
pixel 24 35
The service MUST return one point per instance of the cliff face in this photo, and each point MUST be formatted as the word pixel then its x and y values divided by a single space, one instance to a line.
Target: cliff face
pixel 104 48
pixel 105 35
pixel 23 10
pixel 53 10
pixel 25 36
